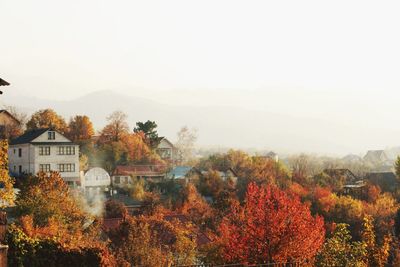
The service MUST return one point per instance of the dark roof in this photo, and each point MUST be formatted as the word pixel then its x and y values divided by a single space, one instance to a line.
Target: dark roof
pixel 3 82
pixel 337 173
pixel 387 181
pixel 28 136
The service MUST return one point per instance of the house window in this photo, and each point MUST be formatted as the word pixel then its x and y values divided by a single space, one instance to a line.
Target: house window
pixel 117 180
pixel 15 168
pixel 70 150
pixel 20 169
pixel 66 167
pixel 44 150
pixel 51 135
pixel 66 150
pixel 15 151
pixel 44 167
pixel 19 152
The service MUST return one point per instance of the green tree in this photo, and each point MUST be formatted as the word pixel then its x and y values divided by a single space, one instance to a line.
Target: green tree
pixel 149 129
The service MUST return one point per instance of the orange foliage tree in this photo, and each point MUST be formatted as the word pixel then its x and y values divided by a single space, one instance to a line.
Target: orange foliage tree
pixel 47 118
pixel 116 128
pixel 47 197
pixel 271 227
pixel 80 128
pixel 195 207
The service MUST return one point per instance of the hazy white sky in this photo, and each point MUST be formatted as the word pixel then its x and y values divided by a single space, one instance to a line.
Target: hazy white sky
pixel 334 59
pixel 83 46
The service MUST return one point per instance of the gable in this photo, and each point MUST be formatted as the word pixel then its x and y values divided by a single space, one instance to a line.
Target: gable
pixel 44 138
pixel 164 143
pixel 39 136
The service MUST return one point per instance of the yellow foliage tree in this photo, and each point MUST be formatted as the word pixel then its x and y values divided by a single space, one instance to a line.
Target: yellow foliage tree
pixel 6 192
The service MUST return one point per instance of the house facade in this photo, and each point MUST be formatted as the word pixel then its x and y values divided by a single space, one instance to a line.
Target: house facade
pixel 166 150
pixel 44 150
pixel 123 175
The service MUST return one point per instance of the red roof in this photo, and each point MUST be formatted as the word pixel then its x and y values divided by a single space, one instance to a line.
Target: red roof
pixel 140 170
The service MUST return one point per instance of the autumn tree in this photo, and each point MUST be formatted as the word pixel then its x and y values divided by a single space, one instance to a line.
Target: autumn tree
pixel 195 207
pixel 303 167
pixel 153 241
pixel 339 250
pixel 233 159
pixel 110 154
pixel 47 197
pixel 47 118
pixel 271 227
pixel 51 229
pixel 262 171
pixel 136 148
pixel 6 193
pixel 383 211
pixel 80 129
pixel 116 128
pixel 210 183
pixel 149 129
pixel 185 144
pixel 115 209
pixel 376 255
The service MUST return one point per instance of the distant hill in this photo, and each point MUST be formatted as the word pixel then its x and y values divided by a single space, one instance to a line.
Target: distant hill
pixel 220 126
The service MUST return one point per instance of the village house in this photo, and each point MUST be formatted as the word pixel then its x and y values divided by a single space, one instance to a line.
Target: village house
pixel 8 124
pixel 351 184
pixel 166 150
pixel 44 150
pixel 123 175
pixel 387 181
pixel 180 172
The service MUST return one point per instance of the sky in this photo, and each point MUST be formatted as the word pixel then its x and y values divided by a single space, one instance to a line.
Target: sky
pixel 336 60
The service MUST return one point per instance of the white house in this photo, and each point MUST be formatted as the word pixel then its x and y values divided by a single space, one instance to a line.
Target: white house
pixel 44 150
pixel 96 180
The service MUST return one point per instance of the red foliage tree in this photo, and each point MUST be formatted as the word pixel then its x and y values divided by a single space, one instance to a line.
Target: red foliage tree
pixel 272 226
